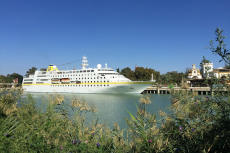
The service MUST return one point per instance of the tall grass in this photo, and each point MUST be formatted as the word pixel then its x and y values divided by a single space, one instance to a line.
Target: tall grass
pixel 196 124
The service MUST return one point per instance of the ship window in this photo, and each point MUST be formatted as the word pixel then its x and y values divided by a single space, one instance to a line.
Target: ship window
pixel 80 71
pixel 104 77
pixel 92 70
pixel 88 81
pixel 82 74
pixel 30 80
pixel 91 85
pixel 88 70
pixel 107 85
pixel 88 85
pixel 94 81
pixel 91 81
pixel 85 78
pixel 84 70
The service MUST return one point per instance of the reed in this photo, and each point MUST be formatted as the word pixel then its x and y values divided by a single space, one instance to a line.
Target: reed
pixel 195 124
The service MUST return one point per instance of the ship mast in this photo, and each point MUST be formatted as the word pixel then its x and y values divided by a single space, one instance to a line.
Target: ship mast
pixel 84 62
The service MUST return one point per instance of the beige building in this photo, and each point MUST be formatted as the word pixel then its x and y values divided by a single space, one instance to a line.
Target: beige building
pixel 194 73
pixel 219 72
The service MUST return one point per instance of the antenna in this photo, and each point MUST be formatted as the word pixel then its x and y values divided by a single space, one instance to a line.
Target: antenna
pixel 84 62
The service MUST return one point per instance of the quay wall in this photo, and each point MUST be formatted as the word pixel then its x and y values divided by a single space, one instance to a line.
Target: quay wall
pixel 166 90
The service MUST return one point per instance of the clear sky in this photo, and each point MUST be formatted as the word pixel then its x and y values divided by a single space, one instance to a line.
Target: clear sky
pixel 165 35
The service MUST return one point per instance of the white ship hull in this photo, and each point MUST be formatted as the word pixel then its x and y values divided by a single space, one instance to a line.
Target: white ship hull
pixel 133 88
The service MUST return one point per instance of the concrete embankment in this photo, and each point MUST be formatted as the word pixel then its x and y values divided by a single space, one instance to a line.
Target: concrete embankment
pixel 166 90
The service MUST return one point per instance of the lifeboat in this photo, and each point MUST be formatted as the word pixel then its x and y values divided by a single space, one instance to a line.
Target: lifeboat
pixel 65 80
pixel 78 82
pixel 55 81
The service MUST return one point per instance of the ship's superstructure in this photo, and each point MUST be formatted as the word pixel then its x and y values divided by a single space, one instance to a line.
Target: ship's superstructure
pixel 86 80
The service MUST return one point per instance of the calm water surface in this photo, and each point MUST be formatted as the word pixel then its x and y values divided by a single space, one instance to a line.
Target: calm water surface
pixel 112 107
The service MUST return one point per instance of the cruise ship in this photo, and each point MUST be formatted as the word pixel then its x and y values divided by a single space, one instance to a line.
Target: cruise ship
pixel 85 80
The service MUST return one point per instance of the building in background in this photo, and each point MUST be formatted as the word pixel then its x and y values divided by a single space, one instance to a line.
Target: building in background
pixel 15 81
pixel 208 71
pixel 194 73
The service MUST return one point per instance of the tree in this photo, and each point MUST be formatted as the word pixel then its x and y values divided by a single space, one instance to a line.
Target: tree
pixel 220 48
pixel 203 61
pixel 144 73
pixel 2 79
pixel 30 71
pixel 118 70
pixel 125 71
pixel 186 72
pixel 131 75
pixel 43 69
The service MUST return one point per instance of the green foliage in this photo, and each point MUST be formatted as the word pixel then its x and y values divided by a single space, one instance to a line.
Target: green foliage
pixel 204 61
pixel 118 70
pixel 10 77
pixel 30 71
pixel 125 71
pixel 140 74
pixel 171 77
pixel 220 48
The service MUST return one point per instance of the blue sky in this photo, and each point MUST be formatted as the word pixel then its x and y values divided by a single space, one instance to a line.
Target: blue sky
pixel 164 35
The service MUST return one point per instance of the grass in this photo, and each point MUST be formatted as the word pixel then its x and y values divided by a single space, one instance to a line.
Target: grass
pixel 196 125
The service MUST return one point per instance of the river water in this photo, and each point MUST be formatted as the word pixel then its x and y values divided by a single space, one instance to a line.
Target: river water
pixel 112 107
